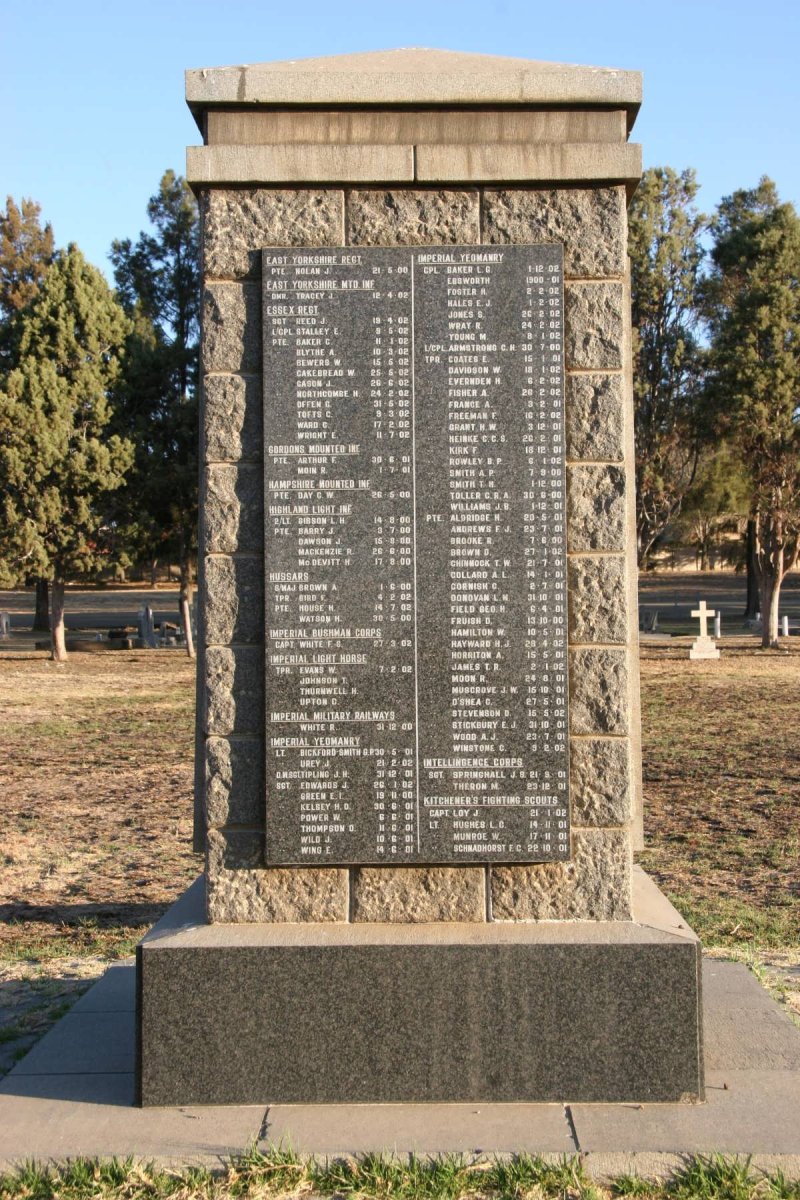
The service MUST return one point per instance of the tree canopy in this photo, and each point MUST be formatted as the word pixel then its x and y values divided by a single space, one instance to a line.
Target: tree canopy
pixel 718 501
pixel 158 282
pixel 26 250
pixel 755 324
pixel 58 463
pixel 666 257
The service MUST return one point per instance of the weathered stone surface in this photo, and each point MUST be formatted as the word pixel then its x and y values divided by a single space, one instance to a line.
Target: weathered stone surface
pixel 303 164
pixel 553 163
pixel 235 849
pixel 599 781
pixel 594 325
pixel 234 690
pixel 595 418
pixel 234 510
pixel 595 508
pixel 412 218
pixel 240 890
pixel 703 648
pixel 232 418
pixel 418 894
pixel 413 76
pixel 234 609
pixel 594 886
pixel 590 222
pixel 370 126
pixel 234 782
pixel 232 327
pixel 598 607
pixel 598 691
pixel 239 224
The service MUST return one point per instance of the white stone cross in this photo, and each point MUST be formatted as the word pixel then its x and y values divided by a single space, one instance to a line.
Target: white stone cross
pixel 703 613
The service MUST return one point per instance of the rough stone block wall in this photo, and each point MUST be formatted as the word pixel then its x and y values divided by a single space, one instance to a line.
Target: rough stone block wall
pixel 591 224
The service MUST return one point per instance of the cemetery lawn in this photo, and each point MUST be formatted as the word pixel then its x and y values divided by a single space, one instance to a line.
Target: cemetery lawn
pixel 721 768
pixel 95 824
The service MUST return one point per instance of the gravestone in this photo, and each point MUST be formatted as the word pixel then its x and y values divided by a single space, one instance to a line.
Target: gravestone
pixel 703 646
pixel 418 755
pixel 146 628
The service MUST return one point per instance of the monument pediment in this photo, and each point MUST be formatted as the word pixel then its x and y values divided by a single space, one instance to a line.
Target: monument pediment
pixel 414 75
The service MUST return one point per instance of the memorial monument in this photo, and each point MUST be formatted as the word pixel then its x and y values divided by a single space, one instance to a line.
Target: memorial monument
pixel 418 758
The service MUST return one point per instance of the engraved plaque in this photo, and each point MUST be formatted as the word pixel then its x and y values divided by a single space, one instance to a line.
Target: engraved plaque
pixel 415 543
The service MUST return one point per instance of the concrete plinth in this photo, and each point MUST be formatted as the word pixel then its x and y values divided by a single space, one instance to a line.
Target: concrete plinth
pixel 73 1094
pixel 382 1013
pixel 703 647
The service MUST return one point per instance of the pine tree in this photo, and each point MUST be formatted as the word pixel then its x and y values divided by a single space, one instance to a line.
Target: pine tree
pixel 756 382
pixel 26 250
pixel 666 256
pixel 718 500
pixel 732 226
pixel 57 464
pixel 158 281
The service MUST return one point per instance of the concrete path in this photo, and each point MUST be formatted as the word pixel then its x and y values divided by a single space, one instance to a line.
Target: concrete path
pixel 73 1095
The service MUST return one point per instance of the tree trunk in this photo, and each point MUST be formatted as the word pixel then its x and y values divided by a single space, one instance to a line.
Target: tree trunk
pixel 770 600
pixel 185 602
pixel 58 652
pixel 751 607
pixel 186 619
pixel 153 572
pixel 41 618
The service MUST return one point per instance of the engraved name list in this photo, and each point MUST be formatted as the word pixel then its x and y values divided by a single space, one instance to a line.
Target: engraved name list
pixel 416 643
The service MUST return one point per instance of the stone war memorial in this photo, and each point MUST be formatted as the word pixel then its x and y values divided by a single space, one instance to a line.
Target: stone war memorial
pixel 418 755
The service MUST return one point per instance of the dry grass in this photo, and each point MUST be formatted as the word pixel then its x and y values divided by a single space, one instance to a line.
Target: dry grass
pixel 280 1173
pixel 721 766
pixel 95 825
pixel 97 785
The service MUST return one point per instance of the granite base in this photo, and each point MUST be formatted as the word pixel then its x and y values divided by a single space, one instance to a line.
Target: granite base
pixel 380 1013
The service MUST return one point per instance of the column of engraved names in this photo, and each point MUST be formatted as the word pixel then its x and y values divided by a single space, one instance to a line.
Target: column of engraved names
pixel 477 602
pixel 472 715
pixel 490 553
pixel 479 562
pixel 545 552
pixel 340 665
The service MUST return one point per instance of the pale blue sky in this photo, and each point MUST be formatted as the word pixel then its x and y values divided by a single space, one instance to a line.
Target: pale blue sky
pixel 91 93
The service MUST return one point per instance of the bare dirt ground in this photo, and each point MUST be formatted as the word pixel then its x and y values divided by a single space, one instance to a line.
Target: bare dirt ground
pixel 95 824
